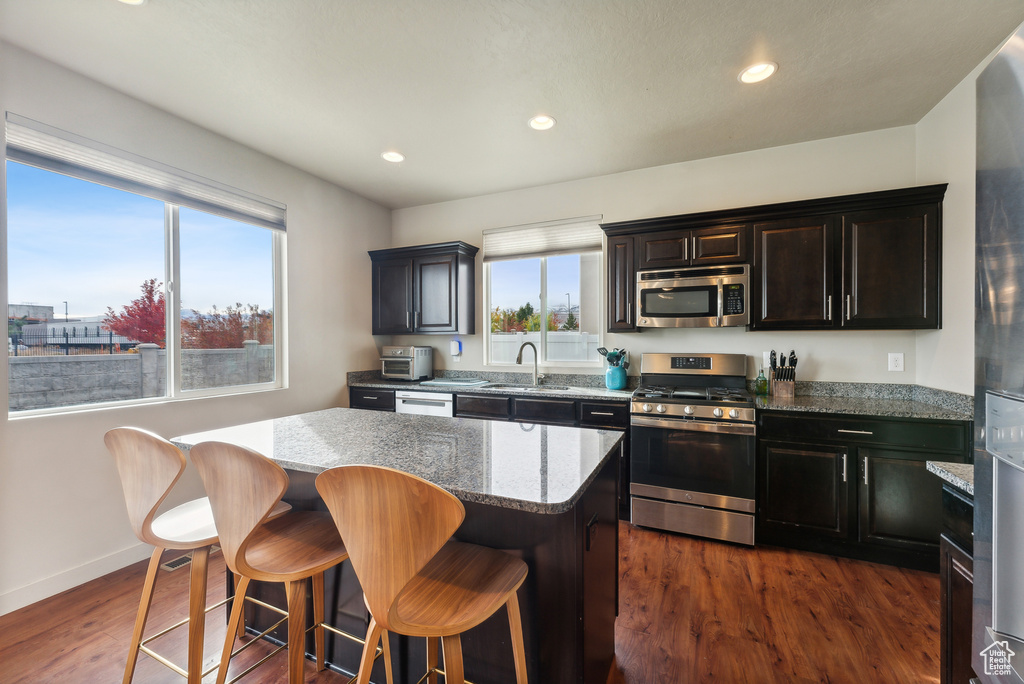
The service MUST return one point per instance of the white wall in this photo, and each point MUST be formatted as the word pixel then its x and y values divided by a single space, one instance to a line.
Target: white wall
pixel 62 518
pixel 877 160
pixel 946 142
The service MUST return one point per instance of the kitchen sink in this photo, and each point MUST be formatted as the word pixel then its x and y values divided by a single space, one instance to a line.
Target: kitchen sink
pixel 527 388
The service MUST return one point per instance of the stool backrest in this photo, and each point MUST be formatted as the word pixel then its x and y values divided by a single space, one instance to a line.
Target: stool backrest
pixel 392 524
pixel 149 466
pixel 243 486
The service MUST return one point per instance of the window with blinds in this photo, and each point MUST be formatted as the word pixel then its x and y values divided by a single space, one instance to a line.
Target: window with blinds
pixel 129 280
pixel 542 286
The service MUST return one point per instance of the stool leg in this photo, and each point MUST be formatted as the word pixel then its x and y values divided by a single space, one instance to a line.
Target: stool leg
pixel 452 647
pixel 318 619
pixel 373 632
pixel 241 623
pixel 386 655
pixel 140 618
pixel 296 630
pixel 197 614
pixel 237 607
pixel 515 624
pixel 433 644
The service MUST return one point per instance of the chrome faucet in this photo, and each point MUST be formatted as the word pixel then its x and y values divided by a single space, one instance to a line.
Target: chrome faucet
pixel 519 359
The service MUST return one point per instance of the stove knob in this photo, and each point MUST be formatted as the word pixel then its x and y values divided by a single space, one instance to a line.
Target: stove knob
pixel 647 408
pixel 688 410
pixel 733 413
pixel 718 413
pixel 661 408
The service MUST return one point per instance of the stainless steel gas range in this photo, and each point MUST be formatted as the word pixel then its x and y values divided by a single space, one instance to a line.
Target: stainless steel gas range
pixel 693 445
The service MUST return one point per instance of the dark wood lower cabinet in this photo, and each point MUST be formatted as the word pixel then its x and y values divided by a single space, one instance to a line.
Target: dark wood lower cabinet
pixel 568 601
pixel 855 487
pixel 956 568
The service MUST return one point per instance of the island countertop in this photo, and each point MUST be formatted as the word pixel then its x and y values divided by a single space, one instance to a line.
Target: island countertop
pixel 528 467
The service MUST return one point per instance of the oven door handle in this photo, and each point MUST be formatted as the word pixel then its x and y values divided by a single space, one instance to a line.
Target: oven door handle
pixel 695 425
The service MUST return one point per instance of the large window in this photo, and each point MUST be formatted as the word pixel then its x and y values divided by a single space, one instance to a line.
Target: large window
pixel 131 281
pixel 543 286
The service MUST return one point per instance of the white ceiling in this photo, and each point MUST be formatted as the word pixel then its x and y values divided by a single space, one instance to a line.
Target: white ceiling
pixel 329 85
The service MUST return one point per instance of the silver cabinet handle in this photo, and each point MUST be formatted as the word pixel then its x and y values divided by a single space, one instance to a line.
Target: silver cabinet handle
pixel 844 467
pixel 856 432
pixel 601 413
pixel 686 250
pixel 865 470
pixel 694 250
pixel 849 307
pixel 407 320
pixel 829 313
pixel 629 312
pixel 367 398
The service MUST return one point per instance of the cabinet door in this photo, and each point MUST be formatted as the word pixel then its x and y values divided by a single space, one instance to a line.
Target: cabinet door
pixel 665 249
pixel 719 245
pixel 804 490
pixel 392 296
pixel 956 570
pixel 793 274
pixel 891 268
pixel 547 411
pixel 621 283
pixel 900 502
pixel 435 294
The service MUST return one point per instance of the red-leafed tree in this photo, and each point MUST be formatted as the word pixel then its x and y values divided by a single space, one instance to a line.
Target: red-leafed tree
pixel 144 318
pixel 227 329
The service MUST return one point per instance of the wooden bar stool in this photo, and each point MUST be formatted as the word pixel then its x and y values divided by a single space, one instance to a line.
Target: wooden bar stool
pixel 149 467
pixel 244 487
pixel 395 527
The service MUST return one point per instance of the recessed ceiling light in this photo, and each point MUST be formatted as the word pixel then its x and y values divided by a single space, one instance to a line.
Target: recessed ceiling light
pixel 393 157
pixel 542 122
pixel 758 72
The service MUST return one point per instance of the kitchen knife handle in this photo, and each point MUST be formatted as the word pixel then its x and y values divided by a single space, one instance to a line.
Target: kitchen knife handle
pixel 844 467
pixel 829 313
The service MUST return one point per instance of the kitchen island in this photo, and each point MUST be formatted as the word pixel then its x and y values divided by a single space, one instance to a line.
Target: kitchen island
pixel 546 494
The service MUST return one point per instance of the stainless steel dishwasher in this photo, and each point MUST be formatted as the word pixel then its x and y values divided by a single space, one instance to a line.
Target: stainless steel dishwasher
pixel 424 403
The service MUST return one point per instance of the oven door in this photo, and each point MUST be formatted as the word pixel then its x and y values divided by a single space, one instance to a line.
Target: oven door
pixel 695 462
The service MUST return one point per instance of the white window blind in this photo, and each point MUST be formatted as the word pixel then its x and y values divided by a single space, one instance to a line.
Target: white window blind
pixel 567 236
pixel 46 147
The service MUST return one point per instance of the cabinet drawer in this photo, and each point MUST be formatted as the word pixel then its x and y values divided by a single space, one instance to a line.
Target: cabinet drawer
pixel 958 517
pixel 554 411
pixel 604 414
pixel 482 406
pixel 379 400
pixel 930 435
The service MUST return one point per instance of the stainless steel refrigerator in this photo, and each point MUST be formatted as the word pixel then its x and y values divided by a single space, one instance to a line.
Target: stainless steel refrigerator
pixel 998 620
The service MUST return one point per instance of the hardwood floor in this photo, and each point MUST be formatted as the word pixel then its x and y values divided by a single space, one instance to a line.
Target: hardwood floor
pixel 691 611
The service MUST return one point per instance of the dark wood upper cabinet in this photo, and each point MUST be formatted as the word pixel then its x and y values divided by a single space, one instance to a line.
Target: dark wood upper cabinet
pixel 793 274
pixel 680 248
pixel 870 261
pixel 891 268
pixel 425 289
pixel 621 283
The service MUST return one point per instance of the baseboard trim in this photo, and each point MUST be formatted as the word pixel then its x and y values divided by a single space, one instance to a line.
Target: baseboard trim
pixel 50 586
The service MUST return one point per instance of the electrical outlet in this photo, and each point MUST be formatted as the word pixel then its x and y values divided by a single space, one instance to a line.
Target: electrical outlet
pixel 896 361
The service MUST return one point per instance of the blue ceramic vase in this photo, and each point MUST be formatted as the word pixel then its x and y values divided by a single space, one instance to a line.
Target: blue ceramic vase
pixel 615 378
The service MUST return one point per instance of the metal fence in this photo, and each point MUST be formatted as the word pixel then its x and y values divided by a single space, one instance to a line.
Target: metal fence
pixel 67 341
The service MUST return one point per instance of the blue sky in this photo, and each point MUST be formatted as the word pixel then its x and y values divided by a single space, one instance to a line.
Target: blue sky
pixel 93 246
pixel 513 283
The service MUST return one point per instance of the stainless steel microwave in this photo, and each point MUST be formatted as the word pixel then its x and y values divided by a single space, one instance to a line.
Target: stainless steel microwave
pixel 701 297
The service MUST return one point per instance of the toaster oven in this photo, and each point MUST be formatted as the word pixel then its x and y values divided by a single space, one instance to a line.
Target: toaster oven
pixel 407 363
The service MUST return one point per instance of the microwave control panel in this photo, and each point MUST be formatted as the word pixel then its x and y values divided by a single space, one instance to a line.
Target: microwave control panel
pixel 733 300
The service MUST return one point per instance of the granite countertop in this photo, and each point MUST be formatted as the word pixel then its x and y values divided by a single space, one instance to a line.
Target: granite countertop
pixel 533 468
pixel 500 388
pixel 960 475
pixel 863 406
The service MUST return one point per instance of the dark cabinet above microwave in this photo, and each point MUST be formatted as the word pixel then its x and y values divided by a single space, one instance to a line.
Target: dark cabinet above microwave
pixel 424 289
pixel 868 261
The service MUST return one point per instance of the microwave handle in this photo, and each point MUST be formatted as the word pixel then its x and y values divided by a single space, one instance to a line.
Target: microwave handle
pixel 721 302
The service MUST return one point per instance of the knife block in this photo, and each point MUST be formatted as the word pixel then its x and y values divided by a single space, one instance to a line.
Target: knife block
pixel 783 388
